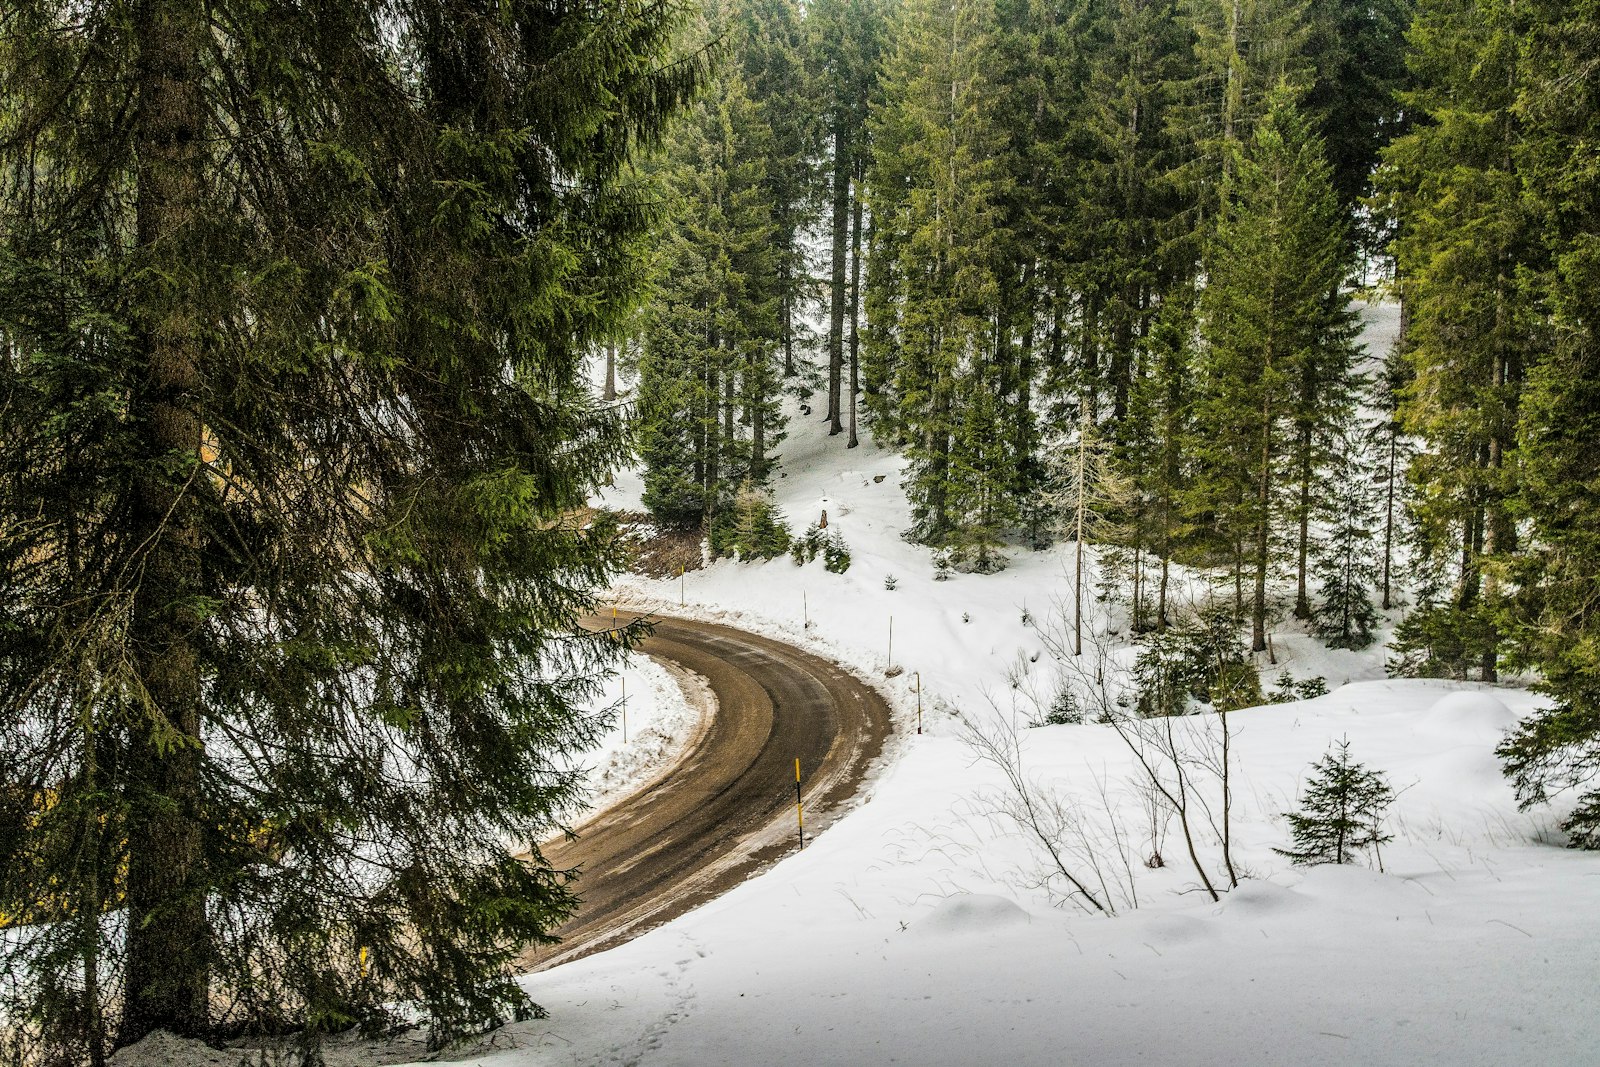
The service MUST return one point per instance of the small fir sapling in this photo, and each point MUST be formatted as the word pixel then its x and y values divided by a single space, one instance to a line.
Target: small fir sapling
pixel 1063 710
pixel 806 548
pixel 1341 811
pixel 1346 563
pixel 1288 689
pixel 753 528
pixel 890 582
pixel 835 553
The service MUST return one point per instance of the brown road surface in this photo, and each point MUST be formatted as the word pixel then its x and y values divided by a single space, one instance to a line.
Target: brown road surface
pixel 727 808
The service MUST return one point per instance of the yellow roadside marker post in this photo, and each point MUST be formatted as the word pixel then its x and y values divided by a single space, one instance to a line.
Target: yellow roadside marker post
pixel 799 813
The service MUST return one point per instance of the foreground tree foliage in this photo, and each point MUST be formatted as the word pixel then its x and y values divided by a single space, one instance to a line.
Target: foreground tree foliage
pixel 292 305
pixel 1557 624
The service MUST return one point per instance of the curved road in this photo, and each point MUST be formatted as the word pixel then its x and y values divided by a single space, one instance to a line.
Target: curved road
pixel 726 808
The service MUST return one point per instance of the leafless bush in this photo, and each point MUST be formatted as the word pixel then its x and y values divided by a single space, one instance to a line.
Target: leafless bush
pixel 1093 861
pixel 1184 762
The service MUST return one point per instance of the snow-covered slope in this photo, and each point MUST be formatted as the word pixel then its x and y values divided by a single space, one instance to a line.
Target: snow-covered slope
pixel 926 928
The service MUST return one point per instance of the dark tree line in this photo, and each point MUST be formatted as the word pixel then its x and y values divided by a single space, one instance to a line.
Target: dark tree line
pixel 1139 222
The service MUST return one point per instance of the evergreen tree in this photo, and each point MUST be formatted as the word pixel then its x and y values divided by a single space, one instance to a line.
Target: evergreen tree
pixel 1358 55
pixel 934 279
pixel 709 376
pixel 1341 811
pixel 1470 339
pixel 1130 211
pixel 1267 322
pixel 1393 450
pixel 293 304
pixel 1558 577
pixel 1245 51
pixel 1156 438
pixel 769 45
pixel 846 43
pixel 1346 566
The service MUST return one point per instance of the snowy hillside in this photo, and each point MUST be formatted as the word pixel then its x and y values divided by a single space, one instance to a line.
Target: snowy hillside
pixel 928 927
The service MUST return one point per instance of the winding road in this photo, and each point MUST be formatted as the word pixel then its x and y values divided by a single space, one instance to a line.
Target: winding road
pixel 726 808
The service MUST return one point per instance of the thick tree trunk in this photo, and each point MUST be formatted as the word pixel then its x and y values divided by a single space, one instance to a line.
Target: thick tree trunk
pixel 1302 599
pixel 786 279
pixel 855 308
pixel 841 238
pixel 1388 516
pixel 611 373
pixel 1258 614
pixel 167 974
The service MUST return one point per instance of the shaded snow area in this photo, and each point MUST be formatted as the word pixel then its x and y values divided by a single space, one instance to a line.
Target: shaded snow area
pixel 927 927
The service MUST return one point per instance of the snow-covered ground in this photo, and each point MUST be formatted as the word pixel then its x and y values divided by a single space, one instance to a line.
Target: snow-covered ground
pixel 926 928
pixel 654 713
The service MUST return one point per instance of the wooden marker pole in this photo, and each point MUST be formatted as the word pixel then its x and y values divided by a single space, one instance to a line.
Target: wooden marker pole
pixel 624 679
pixel 799 812
pixel 680 585
pixel 891 642
pixel 919 702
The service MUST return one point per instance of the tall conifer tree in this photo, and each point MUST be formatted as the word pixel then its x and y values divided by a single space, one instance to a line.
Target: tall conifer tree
pixel 1470 338
pixel 938 245
pixel 710 371
pixel 1559 473
pixel 293 302
pixel 1266 318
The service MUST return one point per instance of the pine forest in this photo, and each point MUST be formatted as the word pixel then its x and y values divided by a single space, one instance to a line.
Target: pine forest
pixel 321 326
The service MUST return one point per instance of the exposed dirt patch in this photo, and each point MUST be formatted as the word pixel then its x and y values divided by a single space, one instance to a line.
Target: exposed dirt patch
pixel 656 551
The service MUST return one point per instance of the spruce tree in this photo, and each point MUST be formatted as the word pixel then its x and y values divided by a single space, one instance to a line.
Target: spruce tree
pixel 1244 52
pixel 709 386
pixel 1558 491
pixel 1470 337
pixel 846 41
pixel 1341 811
pixel 1346 564
pixel 293 305
pixel 1156 438
pixel 934 279
pixel 769 48
pixel 1266 321
pixel 1357 51
pixel 1131 209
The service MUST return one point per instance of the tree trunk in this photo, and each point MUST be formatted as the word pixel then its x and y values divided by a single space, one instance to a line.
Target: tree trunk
pixel 1258 614
pixel 167 975
pixel 841 237
pixel 1077 571
pixel 855 308
pixel 1302 600
pixel 1388 515
pixel 786 279
pixel 758 438
pixel 611 373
